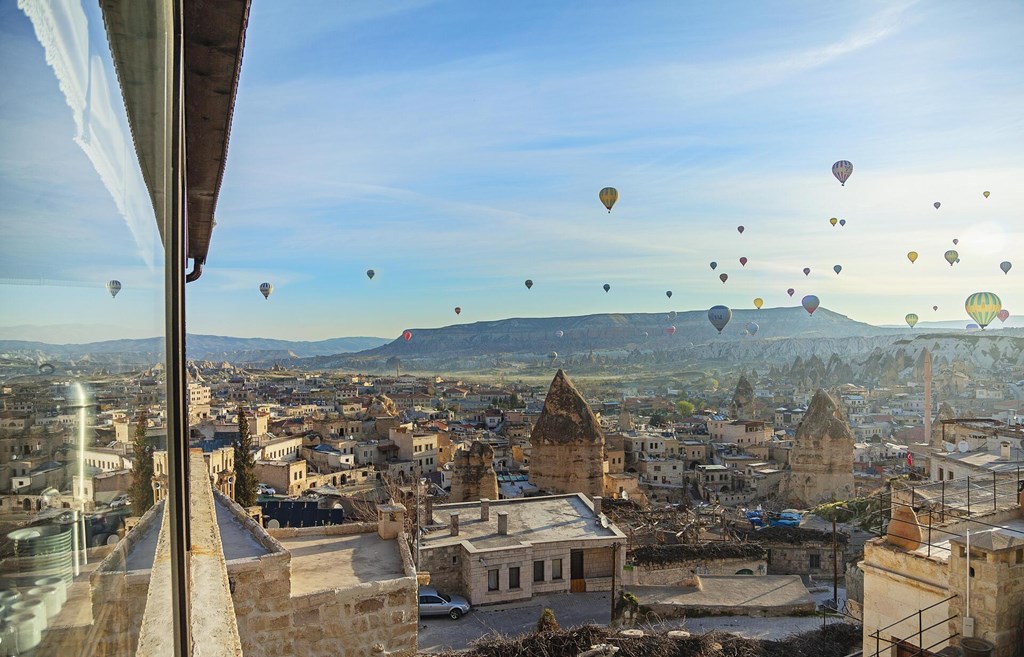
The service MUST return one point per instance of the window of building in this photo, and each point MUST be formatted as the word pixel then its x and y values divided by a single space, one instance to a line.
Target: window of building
pixel 492 579
pixel 556 569
pixel 815 561
pixel 538 570
pixel 513 577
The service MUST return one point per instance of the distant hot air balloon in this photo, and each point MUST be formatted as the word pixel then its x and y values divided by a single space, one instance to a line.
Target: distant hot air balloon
pixel 911 319
pixel 790 291
pixel 668 294
pixel 936 204
pixel 837 269
pixel 807 271
pixel 407 336
pixel 935 307
pixel 842 222
pixel 529 283
pixel 670 330
pixel 608 196
pixel 842 171
pixel 719 317
pixel 552 355
pixel 266 289
pixel 985 194
pixel 671 314
pixel 370 274
pixel 833 221
pixel 559 333
pixel 741 229
pixel 972 327
pixel 758 302
pixel 983 307
pixel 606 287
pixel 714 265
pixel 810 303
pixel 458 311
pixel 645 334
pixel 113 287
pixel 1005 265
pixel 951 257
pixel 955 241
pixel 723 277
pixel 743 262
pixel 752 328
pixel 1003 315
pixel 912 257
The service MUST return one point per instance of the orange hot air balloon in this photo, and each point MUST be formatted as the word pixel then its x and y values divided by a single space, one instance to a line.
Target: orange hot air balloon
pixel 758 302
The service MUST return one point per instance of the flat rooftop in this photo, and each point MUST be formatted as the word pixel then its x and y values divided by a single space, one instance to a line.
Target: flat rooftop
pixel 530 520
pixel 322 562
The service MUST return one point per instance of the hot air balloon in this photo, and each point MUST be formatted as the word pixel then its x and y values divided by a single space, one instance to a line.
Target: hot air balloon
pixel 671 314
pixel 810 303
pixel 529 283
pixel 837 269
pixel 1005 265
pixel 719 317
pixel 935 307
pixel 743 262
pixel 758 302
pixel 983 307
pixel 842 171
pixel 370 274
pixel 752 328
pixel 668 294
pixel 266 289
pixel 553 355
pixel 559 333
pixel 972 327
pixel 1003 315
pixel 951 257
pixel 458 311
pixel 842 222
pixel 911 319
pixel 645 334
pixel 608 196
pixel 113 287
pixel 936 204
pixel 407 336
pixel 985 194
pixel 807 271
pixel 714 265
pixel 833 221
pixel 741 229
pixel 955 241
pixel 912 257
pixel 670 330
pixel 723 277
pixel 606 287
pixel 790 291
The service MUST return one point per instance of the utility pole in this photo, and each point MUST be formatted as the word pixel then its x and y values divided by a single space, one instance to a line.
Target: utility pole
pixel 835 571
pixel 615 566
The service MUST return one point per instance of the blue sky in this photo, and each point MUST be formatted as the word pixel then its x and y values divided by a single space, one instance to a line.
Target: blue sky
pixel 458 148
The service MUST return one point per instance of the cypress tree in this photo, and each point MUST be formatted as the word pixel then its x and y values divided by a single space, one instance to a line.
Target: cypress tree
pixel 245 465
pixel 141 490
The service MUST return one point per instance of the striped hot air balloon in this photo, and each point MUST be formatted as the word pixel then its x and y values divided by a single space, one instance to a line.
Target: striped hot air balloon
pixel 983 307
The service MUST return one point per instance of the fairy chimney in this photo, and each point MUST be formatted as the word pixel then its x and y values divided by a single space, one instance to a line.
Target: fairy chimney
pixel 743 399
pixel 473 476
pixel 567 443
pixel 821 463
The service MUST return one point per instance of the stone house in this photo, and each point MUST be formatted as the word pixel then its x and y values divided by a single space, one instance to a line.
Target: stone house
pixel 800 550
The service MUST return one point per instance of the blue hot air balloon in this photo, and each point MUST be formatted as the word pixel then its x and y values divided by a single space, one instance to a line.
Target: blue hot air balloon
pixel 719 317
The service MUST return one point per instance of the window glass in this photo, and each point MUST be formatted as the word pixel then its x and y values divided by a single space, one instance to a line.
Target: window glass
pixel 513 577
pixel 556 569
pixel 538 571
pixel 492 580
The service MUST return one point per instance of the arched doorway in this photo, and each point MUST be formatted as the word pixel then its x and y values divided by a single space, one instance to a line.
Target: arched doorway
pixel 745 571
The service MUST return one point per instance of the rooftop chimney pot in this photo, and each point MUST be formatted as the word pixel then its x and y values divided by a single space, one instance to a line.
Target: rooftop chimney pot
pixel 503 523
pixel 485 509
pixel 454 526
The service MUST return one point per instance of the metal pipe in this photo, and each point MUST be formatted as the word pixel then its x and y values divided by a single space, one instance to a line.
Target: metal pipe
pixel 967 614
pixel 197 271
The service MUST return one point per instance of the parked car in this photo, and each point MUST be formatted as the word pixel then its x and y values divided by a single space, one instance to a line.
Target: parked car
pixel 119 501
pixel 264 489
pixel 433 603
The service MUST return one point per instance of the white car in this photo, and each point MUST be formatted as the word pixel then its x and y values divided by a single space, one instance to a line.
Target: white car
pixel 263 489
pixel 120 501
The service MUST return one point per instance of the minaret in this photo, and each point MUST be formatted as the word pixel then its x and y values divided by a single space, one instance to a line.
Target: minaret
pixel 928 396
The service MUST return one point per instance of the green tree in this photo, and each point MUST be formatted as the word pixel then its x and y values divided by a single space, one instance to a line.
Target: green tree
pixel 685 408
pixel 547 621
pixel 657 419
pixel 141 490
pixel 245 465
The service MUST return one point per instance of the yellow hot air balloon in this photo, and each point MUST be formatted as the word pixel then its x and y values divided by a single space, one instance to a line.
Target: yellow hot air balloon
pixel 912 256
pixel 911 319
pixel 758 302
pixel 986 194
pixel 833 221
pixel 608 196
pixel 983 307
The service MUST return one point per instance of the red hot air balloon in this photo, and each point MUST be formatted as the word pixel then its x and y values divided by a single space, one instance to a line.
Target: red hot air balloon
pixel 790 291
pixel 407 335
pixel 671 330
pixel 458 311
pixel 810 303
pixel 807 271
pixel 723 277
pixel 743 261
pixel 741 229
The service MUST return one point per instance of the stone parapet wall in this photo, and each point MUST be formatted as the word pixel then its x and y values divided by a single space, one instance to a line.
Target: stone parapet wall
pixel 261 593
pixel 675 574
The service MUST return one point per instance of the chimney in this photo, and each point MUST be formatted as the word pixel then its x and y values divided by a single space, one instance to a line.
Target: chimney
pixel 1004 450
pixel 454 527
pixel 597 505
pixel 503 523
pixel 485 509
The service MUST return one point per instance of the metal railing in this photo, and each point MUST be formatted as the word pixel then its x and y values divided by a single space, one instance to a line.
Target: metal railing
pixel 921 650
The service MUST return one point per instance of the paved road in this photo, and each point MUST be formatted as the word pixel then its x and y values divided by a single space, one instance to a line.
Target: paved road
pixel 573 609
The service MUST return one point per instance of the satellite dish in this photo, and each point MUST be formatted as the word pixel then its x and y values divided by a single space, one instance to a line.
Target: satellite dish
pixel 273 524
pixel 963 446
pixel 113 539
pixel 950 447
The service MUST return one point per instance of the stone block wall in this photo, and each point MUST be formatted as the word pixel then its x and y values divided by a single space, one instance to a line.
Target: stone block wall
pixel 261 593
pixel 673 574
pixel 796 559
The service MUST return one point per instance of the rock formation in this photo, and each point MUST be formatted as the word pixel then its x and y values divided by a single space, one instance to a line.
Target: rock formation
pixel 822 459
pixel 625 420
pixel 382 406
pixel 743 399
pixel 567 443
pixel 473 476
pixel 946 412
